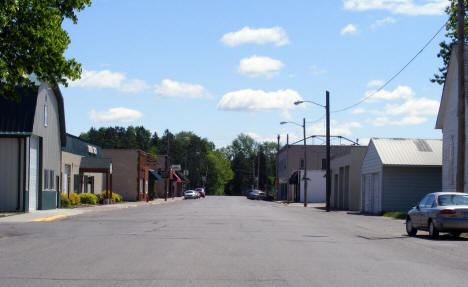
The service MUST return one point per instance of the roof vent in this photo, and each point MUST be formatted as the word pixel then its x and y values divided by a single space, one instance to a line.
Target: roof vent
pixel 422 145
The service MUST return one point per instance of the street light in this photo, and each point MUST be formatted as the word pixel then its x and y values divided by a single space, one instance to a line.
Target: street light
pixel 327 109
pixel 305 156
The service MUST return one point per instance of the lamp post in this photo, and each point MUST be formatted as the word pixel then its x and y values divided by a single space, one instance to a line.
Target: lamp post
pixel 305 157
pixel 327 110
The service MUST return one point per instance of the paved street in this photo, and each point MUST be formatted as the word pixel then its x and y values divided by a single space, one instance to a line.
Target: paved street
pixel 226 241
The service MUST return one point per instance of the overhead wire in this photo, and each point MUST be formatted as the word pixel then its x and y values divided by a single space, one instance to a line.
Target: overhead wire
pixel 395 75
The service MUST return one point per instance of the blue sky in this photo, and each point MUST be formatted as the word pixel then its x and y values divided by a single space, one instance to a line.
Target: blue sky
pixel 221 68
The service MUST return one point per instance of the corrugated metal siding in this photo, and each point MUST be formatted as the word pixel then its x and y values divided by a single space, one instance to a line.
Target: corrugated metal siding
pixel 406 152
pixel 18 117
pixel 403 187
pixel 8 174
pixel 51 134
pixel 371 162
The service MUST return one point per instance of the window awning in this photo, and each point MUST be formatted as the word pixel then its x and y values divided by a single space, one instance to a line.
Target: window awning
pixel 155 175
pixel 174 175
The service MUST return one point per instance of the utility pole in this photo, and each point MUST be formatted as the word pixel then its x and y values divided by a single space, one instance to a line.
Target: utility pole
pixel 461 98
pixel 287 167
pixel 328 178
pixel 258 167
pixel 277 164
pixel 305 163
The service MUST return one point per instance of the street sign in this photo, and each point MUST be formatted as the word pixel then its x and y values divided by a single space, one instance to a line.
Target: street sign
pixel 176 167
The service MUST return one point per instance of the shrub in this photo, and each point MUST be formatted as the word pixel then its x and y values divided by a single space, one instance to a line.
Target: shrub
pixel 64 201
pixel 88 198
pixel 115 197
pixel 74 198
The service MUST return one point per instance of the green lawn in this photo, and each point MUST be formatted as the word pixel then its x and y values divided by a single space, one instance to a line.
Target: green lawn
pixel 396 214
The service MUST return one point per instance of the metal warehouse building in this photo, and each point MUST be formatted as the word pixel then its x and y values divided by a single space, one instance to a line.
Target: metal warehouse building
pixel 397 173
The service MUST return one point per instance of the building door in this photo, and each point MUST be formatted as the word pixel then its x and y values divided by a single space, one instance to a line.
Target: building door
pixel 375 194
pixel 67 179
pixel 33 172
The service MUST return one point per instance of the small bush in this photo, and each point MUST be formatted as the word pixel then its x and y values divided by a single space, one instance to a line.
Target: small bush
pixel 396 214
pixel 74 198
pixel 64 201
pixel 88 198
pixel 115 197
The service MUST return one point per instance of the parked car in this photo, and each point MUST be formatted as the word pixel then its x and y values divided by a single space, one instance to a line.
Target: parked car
pixel 201 190
pixel 439 212
pixel 254 194
pixel 188 194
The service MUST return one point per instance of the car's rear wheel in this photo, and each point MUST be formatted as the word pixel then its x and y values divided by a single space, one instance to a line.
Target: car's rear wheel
pixel 409 227
pixel 455 234
pixel 433 232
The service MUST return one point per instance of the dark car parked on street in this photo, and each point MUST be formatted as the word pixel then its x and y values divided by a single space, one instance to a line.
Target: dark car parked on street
pixel 439 212
pixel 201 191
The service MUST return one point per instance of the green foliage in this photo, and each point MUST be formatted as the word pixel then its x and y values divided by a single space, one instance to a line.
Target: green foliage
pixel 74 198
pixel 452 38
pixel 32 42
pixel 115 196
pixel 219 173
pixel 396 214
pixel 65 202
pixel 88 198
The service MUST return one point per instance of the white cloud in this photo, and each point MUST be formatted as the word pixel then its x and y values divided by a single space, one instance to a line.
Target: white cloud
pixel 375 83
pixel 316 71
pixel 364 141
pixel 261 139
pixel 260 36
pixel 405 121
pixel 349 29
pixel 336 128
pixel 381 22
pixel 413 107
pixel 119 114
pixel 406 7
pixel 255 66
pixel 400 93
pixel 259 100
pixel 172 89
pixel 106 79
pixel 134 86
pixel 358 111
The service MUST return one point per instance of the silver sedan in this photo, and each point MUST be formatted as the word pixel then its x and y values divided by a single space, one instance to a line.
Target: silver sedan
pixel 439 212
pixel 190 194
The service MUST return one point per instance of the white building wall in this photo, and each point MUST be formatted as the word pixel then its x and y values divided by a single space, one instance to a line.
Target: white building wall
pixel 316 186
pixel 450 138
pixel 371 180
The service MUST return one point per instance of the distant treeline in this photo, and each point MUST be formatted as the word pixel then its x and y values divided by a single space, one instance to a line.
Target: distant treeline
pixel 229 170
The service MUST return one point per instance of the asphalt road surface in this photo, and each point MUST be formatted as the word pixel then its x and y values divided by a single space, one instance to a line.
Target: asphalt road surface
pixel 226 241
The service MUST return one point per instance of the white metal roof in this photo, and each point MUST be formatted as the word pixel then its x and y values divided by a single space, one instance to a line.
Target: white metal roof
pixel 409 152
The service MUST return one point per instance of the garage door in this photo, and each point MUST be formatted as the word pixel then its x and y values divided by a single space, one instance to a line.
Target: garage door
pixel 33 172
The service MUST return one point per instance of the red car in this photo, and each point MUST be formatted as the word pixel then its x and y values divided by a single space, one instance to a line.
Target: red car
pixel 201 191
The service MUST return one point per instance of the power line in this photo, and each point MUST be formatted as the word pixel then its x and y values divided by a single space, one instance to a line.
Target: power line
pixel 394 76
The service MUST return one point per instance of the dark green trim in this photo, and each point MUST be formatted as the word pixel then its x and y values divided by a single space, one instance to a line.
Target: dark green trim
pixel 24 175
pixel 40 187
pixel 18 202
pixel 61 110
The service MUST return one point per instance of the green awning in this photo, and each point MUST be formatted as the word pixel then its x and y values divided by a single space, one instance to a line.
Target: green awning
pixel 156 175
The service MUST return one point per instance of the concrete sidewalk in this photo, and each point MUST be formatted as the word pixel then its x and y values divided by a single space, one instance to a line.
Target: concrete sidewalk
pixel 57 214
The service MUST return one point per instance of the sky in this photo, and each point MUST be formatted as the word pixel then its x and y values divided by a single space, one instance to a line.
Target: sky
pixel 221 68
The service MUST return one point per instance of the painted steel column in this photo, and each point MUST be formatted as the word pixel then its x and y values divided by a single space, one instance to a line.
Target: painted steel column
pixel 305 163
pixel 328 177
